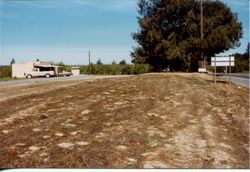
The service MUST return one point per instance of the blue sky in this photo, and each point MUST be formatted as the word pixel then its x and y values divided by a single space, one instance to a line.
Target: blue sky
pixel 64 30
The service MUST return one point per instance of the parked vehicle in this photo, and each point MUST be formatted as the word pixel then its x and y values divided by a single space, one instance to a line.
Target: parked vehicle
pixel 37 73
pixel 64 73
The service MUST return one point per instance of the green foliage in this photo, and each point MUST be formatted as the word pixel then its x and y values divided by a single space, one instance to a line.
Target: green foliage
pixel 169 34
pixel 13 61
pixel 123 62
pixel 141 68
pixel 115 69
pixel 241 61
pixel 99 62
pixel 5 71
pixel 63 67
pixel 241 65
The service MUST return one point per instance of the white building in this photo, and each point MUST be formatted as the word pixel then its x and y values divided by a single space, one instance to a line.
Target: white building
pixel 75 71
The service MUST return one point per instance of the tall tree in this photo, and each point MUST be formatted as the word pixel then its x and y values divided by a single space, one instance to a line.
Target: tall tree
pixel 242 61
pixel 122 62
pixel 13 61
pixel 99 62
pixel 169 33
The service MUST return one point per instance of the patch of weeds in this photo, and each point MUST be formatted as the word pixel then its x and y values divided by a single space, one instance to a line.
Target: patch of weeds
pixel 121 140
pixel 154 143
pixel 135 139
pixel 168 141
pixel 158 141
pixel 69 128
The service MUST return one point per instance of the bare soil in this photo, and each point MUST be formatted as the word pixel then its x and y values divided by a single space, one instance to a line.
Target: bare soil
pixel 147 121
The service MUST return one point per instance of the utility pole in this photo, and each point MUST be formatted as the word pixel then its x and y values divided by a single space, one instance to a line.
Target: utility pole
pixel 202 35
pixel 89 64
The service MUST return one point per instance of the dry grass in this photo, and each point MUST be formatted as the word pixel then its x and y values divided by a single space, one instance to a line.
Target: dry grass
pixel 156 120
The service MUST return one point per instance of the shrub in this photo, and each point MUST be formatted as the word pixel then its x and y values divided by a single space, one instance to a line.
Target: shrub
pixel 141 68
pixel 115 69
pixel 5 71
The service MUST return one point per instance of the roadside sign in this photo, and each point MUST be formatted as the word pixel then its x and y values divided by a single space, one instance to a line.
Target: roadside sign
pixel 222 61
pixel 220 64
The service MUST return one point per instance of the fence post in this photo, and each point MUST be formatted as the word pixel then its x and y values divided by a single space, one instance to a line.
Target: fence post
pixel 230 70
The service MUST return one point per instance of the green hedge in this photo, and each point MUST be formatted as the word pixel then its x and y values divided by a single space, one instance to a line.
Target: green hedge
pixel 115 69
pixel 5 71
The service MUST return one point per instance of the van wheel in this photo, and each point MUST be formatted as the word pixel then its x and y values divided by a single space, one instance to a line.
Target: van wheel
pixel 29 76
pixel 47 75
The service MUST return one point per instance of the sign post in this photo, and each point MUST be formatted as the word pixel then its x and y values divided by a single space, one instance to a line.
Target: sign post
pixel 230 70
pixel 222 61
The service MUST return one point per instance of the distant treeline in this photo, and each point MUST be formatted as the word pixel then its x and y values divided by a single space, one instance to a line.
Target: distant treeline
pixel 111 69
pixel 96 69
pixel 241 62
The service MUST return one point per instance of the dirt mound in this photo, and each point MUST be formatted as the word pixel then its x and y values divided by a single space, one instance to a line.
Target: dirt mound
pixel 148 121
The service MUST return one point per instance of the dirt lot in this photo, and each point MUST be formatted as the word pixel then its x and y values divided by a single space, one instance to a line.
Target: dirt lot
pixel 147 121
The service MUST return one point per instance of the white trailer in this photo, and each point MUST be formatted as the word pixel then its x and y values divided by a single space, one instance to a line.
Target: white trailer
pixel 34 69
pixel 18 70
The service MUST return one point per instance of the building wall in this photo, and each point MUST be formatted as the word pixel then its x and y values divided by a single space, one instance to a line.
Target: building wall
pixel 18 70
pixel 75 72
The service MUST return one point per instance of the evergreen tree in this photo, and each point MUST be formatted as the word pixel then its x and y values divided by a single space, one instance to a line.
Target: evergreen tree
pixel 99 62
pixel 123 62
pixel 13 61
pixel 169 33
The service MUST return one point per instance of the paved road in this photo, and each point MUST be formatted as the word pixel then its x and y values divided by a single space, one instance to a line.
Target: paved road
pixel 43 80
pixel 241 79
